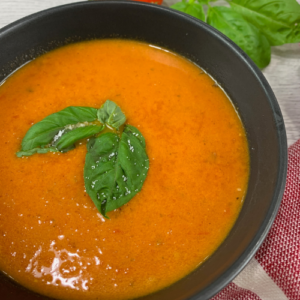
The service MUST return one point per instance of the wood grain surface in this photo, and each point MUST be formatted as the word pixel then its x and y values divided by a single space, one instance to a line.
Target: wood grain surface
pixel 283 73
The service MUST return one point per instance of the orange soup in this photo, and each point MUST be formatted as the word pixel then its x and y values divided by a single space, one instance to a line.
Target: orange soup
pixel 53 240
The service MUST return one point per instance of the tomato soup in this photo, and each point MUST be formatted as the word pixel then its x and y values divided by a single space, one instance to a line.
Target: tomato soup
pixel 53 240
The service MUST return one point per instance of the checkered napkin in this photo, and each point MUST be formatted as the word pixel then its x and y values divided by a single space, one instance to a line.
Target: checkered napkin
pixel 274 272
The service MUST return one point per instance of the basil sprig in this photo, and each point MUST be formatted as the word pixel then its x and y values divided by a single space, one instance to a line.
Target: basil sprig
pixel 278 20
pixel 111 115
pixel 116 163
pixel 115 168
pixel 191 8
pixel 69 138
pixel 253 25
pixel 46 131
pixel 241 32
pixel 41 150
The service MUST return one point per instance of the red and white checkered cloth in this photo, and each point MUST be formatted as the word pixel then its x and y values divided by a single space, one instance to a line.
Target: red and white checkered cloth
pixel 274 272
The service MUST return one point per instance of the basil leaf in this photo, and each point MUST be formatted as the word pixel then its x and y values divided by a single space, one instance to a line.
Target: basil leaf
pixel 191 8
pixel 205 1
pixel 110 114
pixel 278 20
pixel 36 150
pixel 70 137
pixel 244 34
pixel 115 168
pixel 42 133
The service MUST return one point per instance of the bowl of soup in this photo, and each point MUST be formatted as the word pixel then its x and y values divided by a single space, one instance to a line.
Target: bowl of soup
pixel 215 141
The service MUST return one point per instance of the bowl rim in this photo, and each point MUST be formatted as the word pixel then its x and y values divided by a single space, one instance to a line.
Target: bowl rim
pixel 232 271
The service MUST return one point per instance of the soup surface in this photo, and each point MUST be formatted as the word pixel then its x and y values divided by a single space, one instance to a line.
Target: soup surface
pixel 52 238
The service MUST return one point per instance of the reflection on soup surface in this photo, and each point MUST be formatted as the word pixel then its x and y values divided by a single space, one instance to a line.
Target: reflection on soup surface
pixel 53 240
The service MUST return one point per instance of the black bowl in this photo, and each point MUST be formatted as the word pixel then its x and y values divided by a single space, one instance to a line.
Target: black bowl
pixel 224 61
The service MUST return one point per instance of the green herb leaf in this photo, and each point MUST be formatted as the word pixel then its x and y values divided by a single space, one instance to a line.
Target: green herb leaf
pixel 42 133
pixel 191 8
pixel 110 114
pixel 36 150
pixel 205 2
pixel 244 34
pixel 115 168
pixel 278 20
pixel 72 136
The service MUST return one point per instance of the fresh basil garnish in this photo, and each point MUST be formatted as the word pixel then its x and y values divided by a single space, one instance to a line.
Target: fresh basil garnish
pixel 110 114
pixel 36 150
pixel 278 20
pixel 252 25
pixel 190 7
pixel 70 137
pixel 42 133
pixel 116 163
pixel 241 32
pixel 115 168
